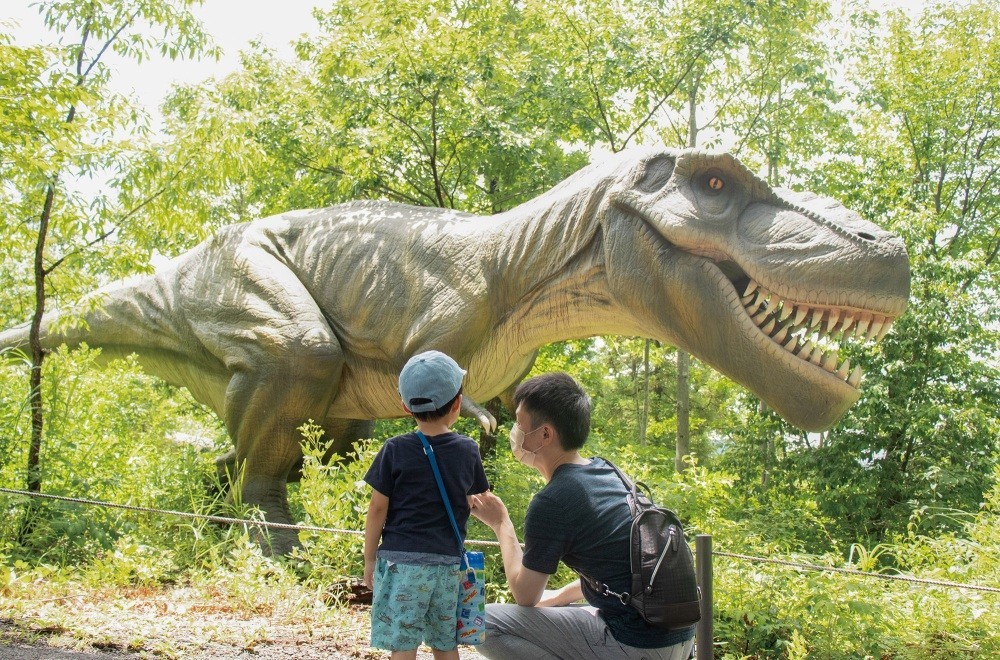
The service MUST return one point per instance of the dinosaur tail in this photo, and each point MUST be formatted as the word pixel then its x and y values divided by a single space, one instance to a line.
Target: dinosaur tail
pixel 15 338
pixel 119 318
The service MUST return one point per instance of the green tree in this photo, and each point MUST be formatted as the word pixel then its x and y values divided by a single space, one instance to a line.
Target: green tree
pixel 434 103
pixel 775 95
pixel 233 150
pixel 927 429
pixel 67 127
pixel 926 163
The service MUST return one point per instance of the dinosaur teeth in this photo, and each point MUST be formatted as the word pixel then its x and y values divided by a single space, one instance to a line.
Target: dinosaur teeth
pixel 753 304
pixel 885 329
pixel 847 322
pixel 855 378
pixel 817 356
pixel 800 315
pixel 812 333
pixel 832 319
pixel 876 328
pixel 862 330
pixel 830 361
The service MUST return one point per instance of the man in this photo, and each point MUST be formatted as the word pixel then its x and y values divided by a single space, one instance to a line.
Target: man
pixel 580 517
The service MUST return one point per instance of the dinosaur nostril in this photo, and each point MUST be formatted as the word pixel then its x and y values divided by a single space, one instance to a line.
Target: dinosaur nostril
pixel 866 236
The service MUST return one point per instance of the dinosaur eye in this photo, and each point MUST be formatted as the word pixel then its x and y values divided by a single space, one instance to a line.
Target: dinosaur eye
pixel 715 183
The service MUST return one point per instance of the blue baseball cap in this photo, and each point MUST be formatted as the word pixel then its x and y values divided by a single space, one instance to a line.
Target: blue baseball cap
pixel 429 380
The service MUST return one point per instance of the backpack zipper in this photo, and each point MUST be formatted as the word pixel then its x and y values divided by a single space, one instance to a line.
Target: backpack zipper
pixel 659 562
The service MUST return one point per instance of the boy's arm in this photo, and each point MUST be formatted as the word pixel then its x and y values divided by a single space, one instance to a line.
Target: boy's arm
pixel 378 508
pixel 526 586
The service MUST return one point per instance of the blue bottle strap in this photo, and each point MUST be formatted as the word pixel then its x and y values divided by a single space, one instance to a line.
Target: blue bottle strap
pixel 444 495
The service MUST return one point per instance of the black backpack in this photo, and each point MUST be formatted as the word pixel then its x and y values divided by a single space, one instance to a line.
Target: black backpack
pixel 664 585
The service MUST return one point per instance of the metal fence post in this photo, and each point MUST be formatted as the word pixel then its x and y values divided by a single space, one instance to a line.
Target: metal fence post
pixel 704 635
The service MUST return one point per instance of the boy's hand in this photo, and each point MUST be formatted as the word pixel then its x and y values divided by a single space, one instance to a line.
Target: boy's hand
pixel 490 509
pixel 370 574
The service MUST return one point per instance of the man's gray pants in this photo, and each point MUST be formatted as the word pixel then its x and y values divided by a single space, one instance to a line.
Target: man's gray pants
pixel 560 633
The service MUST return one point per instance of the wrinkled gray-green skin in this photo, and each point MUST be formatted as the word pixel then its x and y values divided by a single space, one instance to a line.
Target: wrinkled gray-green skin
pixel 311 314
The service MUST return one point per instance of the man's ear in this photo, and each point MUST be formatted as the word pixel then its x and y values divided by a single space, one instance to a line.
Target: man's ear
pixel 548 434
pixel 405 409
pixel 457 404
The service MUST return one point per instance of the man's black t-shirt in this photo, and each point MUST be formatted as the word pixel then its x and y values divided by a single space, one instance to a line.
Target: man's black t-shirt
pixel 417 520
pixel 582 518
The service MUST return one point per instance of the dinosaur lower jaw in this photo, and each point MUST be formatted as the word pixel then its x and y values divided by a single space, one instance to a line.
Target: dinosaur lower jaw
pixel 813 333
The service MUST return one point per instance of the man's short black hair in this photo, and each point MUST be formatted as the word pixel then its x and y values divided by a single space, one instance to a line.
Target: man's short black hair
pixel 435 415
pixel 556 399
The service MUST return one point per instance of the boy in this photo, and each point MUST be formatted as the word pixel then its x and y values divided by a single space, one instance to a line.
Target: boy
pixel 415 573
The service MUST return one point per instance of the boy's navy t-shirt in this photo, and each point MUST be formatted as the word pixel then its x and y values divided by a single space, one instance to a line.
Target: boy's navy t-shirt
pixel 417 521
pixel 582 518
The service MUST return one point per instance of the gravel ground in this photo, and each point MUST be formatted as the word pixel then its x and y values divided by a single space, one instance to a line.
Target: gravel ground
pixel 19 641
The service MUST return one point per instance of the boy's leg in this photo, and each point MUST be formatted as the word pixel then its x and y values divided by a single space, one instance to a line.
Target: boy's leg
pixel 440 621
pixel 404 655
pixel 398 608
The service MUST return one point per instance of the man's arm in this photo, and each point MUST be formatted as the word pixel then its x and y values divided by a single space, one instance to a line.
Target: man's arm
pixel 378 508
pixel 565 595
pixel 526 585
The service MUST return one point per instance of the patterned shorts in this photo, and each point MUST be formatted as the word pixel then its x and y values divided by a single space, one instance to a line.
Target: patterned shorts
pixel 414 604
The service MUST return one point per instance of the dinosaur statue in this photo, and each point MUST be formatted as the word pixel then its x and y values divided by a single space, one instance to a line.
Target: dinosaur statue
pixel 311 314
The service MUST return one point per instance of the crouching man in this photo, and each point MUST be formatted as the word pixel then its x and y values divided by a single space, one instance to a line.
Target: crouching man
pixel 580 517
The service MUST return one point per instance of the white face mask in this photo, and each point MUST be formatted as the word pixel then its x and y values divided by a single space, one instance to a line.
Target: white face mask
pixel 517 445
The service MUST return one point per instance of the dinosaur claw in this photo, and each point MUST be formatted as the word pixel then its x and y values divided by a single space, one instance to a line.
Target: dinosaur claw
pixel 488 422
pixel 486 419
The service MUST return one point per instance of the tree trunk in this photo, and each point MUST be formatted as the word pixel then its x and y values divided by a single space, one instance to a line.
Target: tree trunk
pixel 34 481
pixel 683 445
pixel 683 409
pixel 644 420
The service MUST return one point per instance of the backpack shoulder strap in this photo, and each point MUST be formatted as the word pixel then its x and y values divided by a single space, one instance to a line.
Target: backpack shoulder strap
pixel 637 499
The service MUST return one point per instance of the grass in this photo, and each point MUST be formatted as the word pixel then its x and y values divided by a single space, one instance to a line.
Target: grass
pixel 220 608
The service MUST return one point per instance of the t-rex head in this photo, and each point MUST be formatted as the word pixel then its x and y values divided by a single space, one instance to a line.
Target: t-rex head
pixel 761 284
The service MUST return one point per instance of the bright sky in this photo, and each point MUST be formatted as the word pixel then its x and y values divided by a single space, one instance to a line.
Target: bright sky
pixel 232 23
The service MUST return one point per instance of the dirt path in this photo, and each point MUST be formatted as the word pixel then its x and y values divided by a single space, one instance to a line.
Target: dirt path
pixel 20 641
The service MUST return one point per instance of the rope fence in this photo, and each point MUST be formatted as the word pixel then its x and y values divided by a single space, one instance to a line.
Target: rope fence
pixel 703 552
pixel 333 530
pixel 854 571
pixel 202 516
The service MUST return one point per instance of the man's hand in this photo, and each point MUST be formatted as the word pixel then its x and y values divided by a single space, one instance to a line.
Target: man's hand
pixel 526 585
pixel 490 509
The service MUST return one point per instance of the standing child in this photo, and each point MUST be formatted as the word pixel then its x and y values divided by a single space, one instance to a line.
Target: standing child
pixel 415 573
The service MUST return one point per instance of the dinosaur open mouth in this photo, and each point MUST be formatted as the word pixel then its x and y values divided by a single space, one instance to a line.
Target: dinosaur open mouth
pixel 813 333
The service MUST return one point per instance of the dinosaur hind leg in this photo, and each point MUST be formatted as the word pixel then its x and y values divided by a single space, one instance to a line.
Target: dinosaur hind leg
pixel 285 365
pixel 264 409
